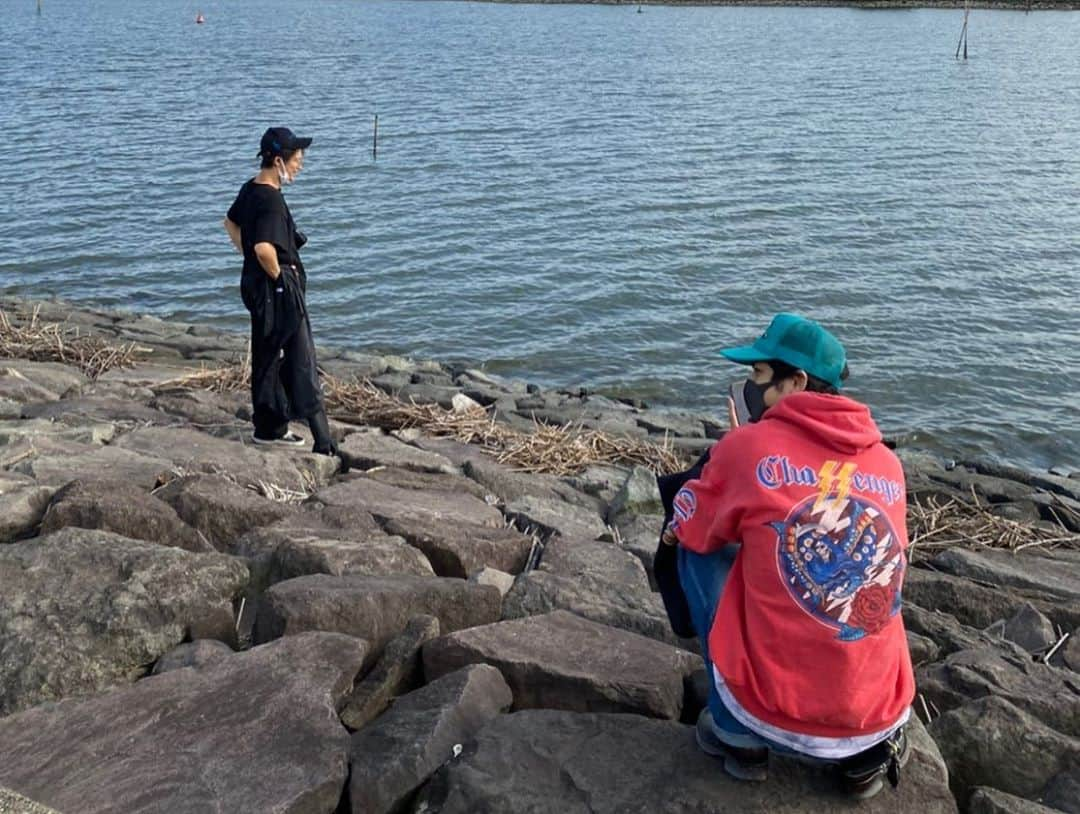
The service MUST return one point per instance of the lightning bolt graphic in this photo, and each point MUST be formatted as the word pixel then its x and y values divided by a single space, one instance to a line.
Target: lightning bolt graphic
pixel 834 484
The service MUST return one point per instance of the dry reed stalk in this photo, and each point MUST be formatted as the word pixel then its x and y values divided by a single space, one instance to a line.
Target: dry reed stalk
pixel 37 341
pixel 935 524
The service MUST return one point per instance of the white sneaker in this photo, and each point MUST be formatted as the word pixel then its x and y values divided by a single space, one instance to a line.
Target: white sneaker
pixel 289 439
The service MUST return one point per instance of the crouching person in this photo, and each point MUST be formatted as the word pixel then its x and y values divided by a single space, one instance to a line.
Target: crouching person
pixel 792 556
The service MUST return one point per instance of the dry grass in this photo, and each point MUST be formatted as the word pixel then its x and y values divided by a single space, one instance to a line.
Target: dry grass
pixel 30 338
pixel 937 523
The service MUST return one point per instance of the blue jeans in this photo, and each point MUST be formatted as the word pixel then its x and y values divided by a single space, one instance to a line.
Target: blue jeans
pixel 703 577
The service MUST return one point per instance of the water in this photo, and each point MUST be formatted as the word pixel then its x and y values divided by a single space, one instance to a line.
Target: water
pixel 584 195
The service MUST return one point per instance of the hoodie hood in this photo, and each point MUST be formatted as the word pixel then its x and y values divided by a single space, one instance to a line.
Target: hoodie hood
pixel 836 421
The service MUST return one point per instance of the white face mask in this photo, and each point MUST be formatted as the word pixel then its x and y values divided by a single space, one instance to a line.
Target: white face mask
pixel 283 175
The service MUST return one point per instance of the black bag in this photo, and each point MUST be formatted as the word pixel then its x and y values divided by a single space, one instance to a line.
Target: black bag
pixel 666 559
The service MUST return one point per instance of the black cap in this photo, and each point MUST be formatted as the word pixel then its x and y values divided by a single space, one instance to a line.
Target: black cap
pixel 277 140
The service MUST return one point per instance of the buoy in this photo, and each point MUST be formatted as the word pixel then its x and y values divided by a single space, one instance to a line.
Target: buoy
pixel 199 19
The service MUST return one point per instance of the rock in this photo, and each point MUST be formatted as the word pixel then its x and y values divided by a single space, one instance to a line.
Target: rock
pixel 1050 694
pixel 1070 653
pixel 372 608
pixel 97 464
pixel 22 505
pixel 110 409
pixel 947 633
pixel 426 481
pixel 455 451
pixel 1063 790
pixel 1030 629
pixel 397 672
pixel 257 731
pixel 546 761
pixel 394 756
pixel 1049 575
pixel 458 549
pixel 464 403
pixel 83 610
pixel 299 555
pixel 197 654
pixel 122 509
pixel 442 395
pixel 985 800
pixel 1047 482
pixel 640 535
pixel 492 576
pixel 686 426
pixel 511 485
pixel 14 386
pixel 392 502
pixel 392 382
pixel 37 429
pixel 991 741
pixel 922 649
pixel 639 494
pixel 195 452
pixel 602 481
pixel 987 488
pixel 562 661
pixel 216 413
pixel 365 450
pixel 54 377
pixel 220 509
pixel 549 517
pixel 598 581
pixel 17 804
pixel 979 606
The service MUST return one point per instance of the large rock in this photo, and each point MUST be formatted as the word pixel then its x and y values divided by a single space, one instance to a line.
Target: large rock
pixel 99 408
pixel 89 463
pixel 54 377
pixel 397 671
pixel 599 581
pixel 549 517
pixel 393 502
pixel 1049 693
pixel 539 761
pixel 14 386
pixel 948 634
pixel 123 509
pixel 22 505
pixel 392 757
pixel 220 509
pixel 992 742
pixel 979 606
pixel 364 450
pixel 372 608
pixel 510 484
pixel 256 732
pixel 986 800
pixel 1030 629
pixel 458 549
pixel 562 661
pixel 191 452
pixel 198 653
pixel 427 481
pixel 1055 575
pixel 81 611
pixel 639 494
pixel 278 554
pixel 37 430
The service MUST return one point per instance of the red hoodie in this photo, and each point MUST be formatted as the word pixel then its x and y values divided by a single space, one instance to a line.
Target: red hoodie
pixel 808 636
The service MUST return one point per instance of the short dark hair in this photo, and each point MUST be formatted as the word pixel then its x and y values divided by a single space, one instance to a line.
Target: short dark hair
pixel 782 370
pixel 268 158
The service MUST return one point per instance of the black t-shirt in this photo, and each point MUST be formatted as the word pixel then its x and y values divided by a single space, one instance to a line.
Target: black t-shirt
pixel 263 217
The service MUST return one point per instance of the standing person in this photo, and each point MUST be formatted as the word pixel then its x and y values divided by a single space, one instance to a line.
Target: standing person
pixel 284 373
pixel 791 555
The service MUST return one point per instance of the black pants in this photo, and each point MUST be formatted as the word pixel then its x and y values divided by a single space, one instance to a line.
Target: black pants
pixel 284 375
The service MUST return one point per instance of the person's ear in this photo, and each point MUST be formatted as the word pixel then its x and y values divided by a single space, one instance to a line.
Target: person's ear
pixel 799 381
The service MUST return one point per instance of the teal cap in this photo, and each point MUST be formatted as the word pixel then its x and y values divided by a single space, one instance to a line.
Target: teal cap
pixel 799 342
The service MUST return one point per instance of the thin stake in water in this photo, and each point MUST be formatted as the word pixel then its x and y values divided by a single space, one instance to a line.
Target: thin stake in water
pixel 375 138
pixel 963 31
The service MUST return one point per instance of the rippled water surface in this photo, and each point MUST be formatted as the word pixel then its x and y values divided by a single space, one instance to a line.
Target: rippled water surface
pixel 584 195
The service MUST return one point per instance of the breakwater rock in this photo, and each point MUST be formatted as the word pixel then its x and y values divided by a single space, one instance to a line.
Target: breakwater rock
pixel 191 623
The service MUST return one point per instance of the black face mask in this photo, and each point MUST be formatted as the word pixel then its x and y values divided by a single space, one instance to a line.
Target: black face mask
pixel 749 399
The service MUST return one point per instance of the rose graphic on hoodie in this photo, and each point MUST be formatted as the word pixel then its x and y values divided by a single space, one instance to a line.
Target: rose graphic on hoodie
pixel 842 563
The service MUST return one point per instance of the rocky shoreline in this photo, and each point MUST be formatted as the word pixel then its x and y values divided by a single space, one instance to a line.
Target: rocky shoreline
pixel 191 623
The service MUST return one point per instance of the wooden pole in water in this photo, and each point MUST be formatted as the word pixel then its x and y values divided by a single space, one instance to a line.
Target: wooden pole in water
pixel 375 138
pixel 963 31
pixel 39 7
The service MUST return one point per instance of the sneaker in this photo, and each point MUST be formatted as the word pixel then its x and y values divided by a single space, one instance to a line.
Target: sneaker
pixel 863 775
pixel 741 763
pixel 289 439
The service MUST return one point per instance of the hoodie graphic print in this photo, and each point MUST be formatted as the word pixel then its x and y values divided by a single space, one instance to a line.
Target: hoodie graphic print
pixel 808 636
